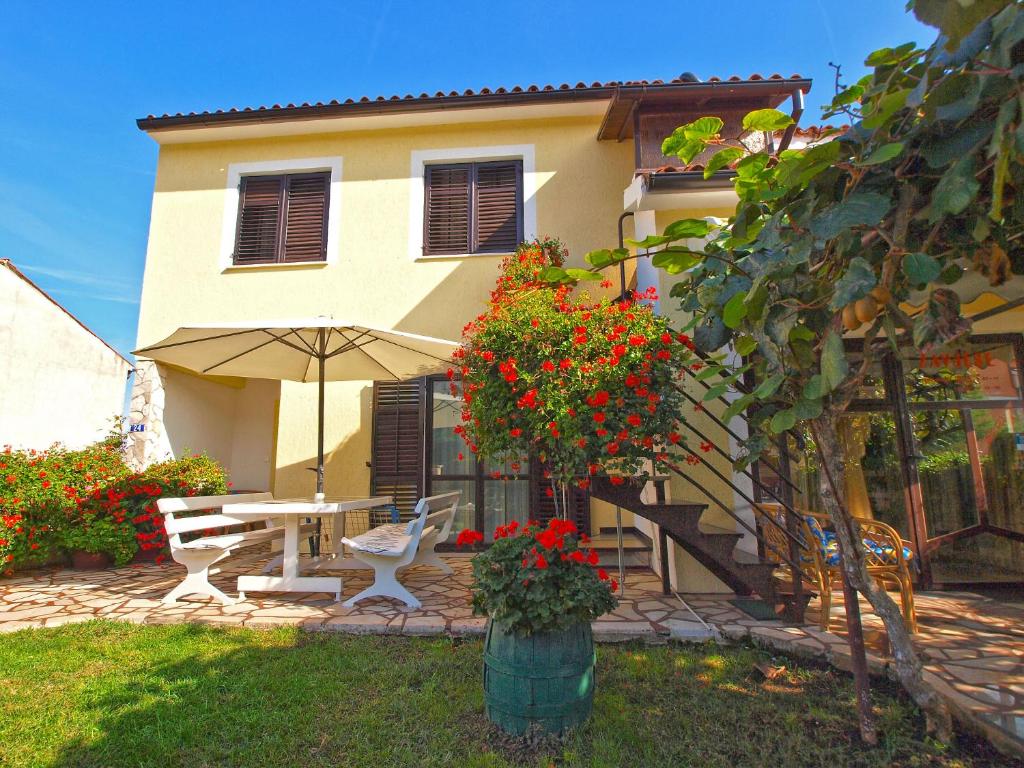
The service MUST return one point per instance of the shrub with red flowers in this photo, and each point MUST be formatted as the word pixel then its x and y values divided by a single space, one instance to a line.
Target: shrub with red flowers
pixel 535 579
pixel 131 501
pixel 589 387
pixel 90 499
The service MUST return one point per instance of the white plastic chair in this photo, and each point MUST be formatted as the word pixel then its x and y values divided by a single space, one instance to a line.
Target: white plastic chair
pixel 389 548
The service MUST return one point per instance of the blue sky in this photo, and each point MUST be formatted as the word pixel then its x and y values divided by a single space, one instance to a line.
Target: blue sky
pixel 76 176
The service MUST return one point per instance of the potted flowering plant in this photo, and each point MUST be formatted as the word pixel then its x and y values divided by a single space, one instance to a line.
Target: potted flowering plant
pixel 591 387
pixel 540 589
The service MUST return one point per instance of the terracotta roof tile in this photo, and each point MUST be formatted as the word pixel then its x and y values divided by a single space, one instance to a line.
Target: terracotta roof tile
pixel 485 91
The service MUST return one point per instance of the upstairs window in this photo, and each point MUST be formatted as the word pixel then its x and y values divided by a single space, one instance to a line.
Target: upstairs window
pixel 473 208
pixel 282 219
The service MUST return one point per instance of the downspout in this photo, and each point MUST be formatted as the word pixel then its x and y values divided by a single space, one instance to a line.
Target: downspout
pixel 622 264
pixel 796 114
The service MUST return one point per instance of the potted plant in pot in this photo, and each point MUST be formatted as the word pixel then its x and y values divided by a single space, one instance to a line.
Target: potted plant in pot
pixel 94 543
pixel 591 389
pixel 540 589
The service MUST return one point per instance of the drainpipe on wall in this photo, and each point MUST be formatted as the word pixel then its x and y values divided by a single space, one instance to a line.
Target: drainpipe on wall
pixel 796 114
pixel 622 264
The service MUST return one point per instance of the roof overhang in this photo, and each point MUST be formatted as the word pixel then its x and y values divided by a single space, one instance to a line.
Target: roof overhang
pixel 680 190
pixel 618 123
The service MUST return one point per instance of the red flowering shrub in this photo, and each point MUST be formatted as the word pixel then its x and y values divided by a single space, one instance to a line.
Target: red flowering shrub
pixel 537 579
pixel 39 488
pixel 90 499
pixel 131 499
pixel 589 387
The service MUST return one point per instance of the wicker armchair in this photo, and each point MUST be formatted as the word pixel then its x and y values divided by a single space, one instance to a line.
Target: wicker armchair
pixel 888 556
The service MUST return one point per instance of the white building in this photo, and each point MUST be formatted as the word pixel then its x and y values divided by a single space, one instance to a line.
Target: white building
pixel 59 381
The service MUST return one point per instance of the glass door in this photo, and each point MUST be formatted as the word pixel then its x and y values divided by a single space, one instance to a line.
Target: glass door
pixel 491 495
pixel 966 415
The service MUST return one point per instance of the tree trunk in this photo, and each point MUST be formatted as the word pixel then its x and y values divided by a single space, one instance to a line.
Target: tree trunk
pixel 906 662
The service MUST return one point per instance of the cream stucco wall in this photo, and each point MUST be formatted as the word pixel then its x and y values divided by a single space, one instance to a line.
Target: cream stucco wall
pixel 578 181
pixel 58 382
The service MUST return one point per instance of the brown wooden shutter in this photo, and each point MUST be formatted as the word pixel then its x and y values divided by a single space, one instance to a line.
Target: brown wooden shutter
pixel 305 231
pixel 259 220
pixel 446 223
pixel 397 460
pixel 497 206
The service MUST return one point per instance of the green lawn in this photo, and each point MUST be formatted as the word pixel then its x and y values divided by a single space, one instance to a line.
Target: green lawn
pixel 104 694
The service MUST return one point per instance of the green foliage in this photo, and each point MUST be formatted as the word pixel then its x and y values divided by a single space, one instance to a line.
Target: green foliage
pixel 539 579
pixel 102 535
pixel 922 185
pixel 90 499
pixel 586 386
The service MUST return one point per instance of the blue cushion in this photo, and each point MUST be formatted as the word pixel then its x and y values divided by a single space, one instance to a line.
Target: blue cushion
pixel 829 545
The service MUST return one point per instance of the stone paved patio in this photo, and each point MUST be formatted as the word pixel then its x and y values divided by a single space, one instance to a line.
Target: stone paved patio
pixel 974 646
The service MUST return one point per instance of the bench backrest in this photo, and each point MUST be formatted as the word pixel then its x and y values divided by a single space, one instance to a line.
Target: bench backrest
pixel 437 511
pixel 178 525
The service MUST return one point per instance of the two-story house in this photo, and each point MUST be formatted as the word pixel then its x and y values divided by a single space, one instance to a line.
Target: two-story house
pixel 395 212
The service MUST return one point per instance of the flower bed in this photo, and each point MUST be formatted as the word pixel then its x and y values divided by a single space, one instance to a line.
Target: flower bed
pixel 61 500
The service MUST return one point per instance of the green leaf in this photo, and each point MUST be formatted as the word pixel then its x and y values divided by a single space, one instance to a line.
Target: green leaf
pixel 884 154
pixel 808 409
pixel 859 209
pixel 583 274
pixel 745 345
pixel 854 284
pixel 685 228
pixel 955 97
pixel 553 275
pixel 848 96
pixel 834 367
pixel 920 268
pixel 955 190
pixel 735 310
pixel 736 407
pixel 816 387
pixel 715 392
pixel 783 421
pixel 676 260
pixel 885 108
pixel 766 120
pixel 721 159
pixel 955 18
pixel 650 241
pixel 945 149
pixel 769 386
pixel 703 128
pixel 600 258
pixel 751 165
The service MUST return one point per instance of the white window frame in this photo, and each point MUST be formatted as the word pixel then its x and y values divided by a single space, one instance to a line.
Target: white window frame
pixel 421 158
pixel 236 171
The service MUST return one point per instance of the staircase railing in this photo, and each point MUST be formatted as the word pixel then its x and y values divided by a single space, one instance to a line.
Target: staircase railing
pixel 789 526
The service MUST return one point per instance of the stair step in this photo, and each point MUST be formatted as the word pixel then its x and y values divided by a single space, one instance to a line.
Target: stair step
pixel 630 542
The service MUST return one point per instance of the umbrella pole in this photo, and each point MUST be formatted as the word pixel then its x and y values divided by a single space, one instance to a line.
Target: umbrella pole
pixel 314 548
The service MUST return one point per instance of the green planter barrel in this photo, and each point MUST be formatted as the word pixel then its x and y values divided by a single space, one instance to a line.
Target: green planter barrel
pixel 544 679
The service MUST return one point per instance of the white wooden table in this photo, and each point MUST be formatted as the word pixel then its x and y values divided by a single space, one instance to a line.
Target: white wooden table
pixel 292 512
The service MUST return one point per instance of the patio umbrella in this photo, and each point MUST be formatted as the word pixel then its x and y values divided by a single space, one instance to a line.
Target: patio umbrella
pixel 316 349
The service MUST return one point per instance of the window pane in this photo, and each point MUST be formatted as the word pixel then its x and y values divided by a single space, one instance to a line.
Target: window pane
pixel 446 446
pixel 984 558
pixel 951 479
pixel 873 482
pixel 977 371
pixel 465 514
pixel 505 501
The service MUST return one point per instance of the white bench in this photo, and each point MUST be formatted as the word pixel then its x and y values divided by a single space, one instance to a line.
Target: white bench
pixel 200 554
pixel 389 548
